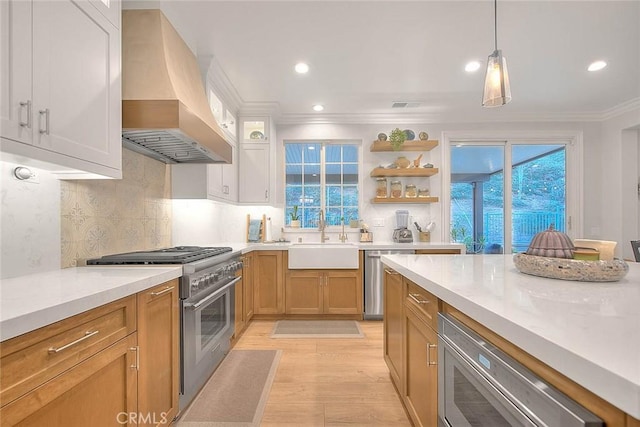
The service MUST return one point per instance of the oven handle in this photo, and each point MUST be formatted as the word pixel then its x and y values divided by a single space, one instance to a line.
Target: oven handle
pixel 213 295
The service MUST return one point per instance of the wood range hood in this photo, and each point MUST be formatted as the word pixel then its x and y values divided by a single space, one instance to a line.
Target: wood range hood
pixel 165 112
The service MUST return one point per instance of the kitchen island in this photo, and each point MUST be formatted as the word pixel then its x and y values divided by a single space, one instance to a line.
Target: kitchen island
pixel 587 331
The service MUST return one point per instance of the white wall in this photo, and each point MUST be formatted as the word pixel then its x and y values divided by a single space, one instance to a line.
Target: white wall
pixel 206 222
pixel 618 211
pixel 30 223
pixel 367 133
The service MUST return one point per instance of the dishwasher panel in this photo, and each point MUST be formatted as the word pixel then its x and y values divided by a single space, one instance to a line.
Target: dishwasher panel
pixel 374 281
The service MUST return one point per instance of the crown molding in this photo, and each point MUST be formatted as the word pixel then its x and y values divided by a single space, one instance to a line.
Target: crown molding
pixel 271 109
pixel 468 116
pixel 625 107
pixel 221 83
pixel 417 118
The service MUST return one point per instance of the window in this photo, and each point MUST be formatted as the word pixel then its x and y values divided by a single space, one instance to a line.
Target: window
pixel 321 175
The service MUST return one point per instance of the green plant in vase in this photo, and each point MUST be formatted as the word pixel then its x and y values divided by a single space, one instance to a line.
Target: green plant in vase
pixel 295 218
pixel 397 138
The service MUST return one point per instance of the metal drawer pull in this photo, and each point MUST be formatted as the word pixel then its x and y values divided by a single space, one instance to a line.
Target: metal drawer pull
pixel 45 112
pixel 87 335
pixel 429 347
pixel 391 272
pixel 164 291
pixel 418 301
pixel 136 366
pixel 26 124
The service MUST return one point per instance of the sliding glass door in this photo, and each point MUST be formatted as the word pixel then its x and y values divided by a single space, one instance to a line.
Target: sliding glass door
pixel 498 209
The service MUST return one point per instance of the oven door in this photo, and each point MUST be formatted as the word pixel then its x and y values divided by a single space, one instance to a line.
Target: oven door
pixel 467 398
pixel 207 327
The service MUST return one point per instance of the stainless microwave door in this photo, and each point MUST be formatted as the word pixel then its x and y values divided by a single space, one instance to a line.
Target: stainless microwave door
pixel 468 399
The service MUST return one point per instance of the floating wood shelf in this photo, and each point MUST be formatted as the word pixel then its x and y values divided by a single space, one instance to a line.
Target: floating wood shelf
pixel 415 145
pixel 416 172
pixel 405 200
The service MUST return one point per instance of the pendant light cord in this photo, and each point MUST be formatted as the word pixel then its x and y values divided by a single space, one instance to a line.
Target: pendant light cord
pixel 495 23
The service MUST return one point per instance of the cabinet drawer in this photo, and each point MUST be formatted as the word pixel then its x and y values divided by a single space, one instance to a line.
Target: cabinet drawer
pixel 35 357
pixel 425 303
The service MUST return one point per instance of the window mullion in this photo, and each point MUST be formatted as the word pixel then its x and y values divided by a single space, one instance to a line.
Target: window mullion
pixel 323 178
pixel 508 197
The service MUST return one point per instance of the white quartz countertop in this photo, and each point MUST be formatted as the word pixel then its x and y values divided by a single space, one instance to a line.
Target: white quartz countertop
pixel 588 331
pixel 36 300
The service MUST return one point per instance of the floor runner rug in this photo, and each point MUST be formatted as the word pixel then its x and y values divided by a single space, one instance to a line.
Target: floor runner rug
pixel 236 393
pixel 317 329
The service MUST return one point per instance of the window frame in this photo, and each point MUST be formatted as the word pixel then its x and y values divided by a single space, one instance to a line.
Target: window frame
pixel 323 143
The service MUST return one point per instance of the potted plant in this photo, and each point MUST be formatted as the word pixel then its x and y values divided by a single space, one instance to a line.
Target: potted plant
pixel 397 138
pixel 295 218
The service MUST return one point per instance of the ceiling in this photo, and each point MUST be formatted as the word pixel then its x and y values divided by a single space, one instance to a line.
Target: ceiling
pixel 365 55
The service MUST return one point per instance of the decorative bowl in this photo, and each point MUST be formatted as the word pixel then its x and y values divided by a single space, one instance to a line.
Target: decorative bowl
pixel 571 269
pixel 409 134
pixel 423 136
pixel 256 134
pixel 382 136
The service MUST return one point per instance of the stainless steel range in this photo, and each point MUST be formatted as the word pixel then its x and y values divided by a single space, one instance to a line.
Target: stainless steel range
pixel 206 303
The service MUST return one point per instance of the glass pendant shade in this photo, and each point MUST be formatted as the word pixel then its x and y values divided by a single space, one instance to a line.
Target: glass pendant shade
pixel 497 91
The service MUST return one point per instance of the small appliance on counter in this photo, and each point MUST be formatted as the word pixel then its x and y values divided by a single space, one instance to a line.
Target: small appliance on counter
pixel 366 237
pixel 402 234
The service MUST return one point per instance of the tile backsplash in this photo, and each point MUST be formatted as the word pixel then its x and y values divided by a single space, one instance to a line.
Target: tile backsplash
pixel 101 217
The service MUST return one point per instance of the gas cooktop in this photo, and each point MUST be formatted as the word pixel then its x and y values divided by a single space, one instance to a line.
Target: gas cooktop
pixel 176 255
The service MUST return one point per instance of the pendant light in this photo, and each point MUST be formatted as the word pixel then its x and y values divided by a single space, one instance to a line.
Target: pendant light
pixel 497 91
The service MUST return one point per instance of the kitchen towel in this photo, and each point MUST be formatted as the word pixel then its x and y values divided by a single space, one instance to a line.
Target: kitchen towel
pixel 254 230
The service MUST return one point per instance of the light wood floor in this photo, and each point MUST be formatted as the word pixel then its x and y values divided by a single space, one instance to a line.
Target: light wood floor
pixel 328 382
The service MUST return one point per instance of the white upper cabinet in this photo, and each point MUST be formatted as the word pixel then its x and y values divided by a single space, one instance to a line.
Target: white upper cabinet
pixel 224 117
pixel 110 9
pixel 257 161
pixel 255 174
pixel 206 181
pixel 254 129
pixel 61 96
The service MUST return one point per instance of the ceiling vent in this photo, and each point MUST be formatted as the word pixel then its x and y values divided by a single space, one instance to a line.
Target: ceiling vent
pixel 405 104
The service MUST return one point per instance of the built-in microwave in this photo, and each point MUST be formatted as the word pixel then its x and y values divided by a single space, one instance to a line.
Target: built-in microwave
pixel 479 385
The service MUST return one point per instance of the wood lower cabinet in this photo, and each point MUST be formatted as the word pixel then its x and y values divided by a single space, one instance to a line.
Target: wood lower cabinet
pixel 248 282
pixel 268 282
pixel 100 391
pixel 410 346
pixel 393 316
pixel 323 292
pixel 421 370
pixel 159 347
pixel 303 291
pixel 117 364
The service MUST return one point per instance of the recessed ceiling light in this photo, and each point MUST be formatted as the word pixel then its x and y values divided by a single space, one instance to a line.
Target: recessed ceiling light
pixel 301 68
pixel 472 66
pixel 597 65
pixel 318 107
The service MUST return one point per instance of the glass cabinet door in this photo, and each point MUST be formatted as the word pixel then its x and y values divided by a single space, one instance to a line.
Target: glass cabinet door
pixel 255 130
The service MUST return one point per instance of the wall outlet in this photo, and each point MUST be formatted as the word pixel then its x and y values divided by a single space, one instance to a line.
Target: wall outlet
pixel 378 222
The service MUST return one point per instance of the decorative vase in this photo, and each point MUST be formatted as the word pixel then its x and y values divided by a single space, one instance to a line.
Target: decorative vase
pixel 295 223
pixel 402 162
